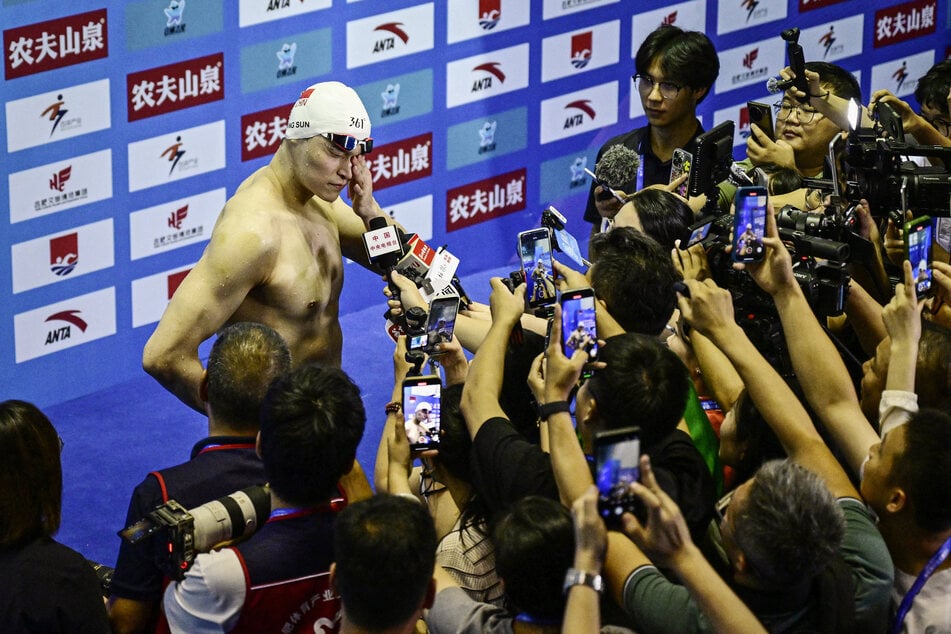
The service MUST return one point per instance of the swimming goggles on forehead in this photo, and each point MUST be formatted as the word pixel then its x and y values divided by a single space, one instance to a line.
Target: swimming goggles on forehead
pixel 349 143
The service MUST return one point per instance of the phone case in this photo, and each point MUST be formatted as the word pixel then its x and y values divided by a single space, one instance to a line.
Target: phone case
pixel 680 165
pixel 761 114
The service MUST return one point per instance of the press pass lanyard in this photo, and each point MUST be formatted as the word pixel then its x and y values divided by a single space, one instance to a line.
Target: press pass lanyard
pixel 936 560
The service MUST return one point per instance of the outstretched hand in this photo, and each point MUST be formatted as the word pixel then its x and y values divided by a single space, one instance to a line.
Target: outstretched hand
pixel 774 274
pixel 665 531
pixel 902 315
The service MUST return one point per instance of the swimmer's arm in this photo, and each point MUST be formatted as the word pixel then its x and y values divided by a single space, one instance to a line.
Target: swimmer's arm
pixel 233 263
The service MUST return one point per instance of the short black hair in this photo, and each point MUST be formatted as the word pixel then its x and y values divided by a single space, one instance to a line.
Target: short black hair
pixel 923 467
pixel 932 89
pixel 385 552
pixel 31 476
pixel 687 57
pixel 244 360
pixel 833 77
pixel 634 276
pixel 534 547
pixel 312 420
pixel 644 384
pixel 663 215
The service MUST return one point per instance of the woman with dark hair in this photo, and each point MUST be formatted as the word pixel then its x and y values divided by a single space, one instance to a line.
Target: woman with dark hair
pixel 660 214
pixel 44 586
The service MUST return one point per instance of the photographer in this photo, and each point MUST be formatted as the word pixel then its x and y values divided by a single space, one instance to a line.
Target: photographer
pixel 312 420
pixel 244 359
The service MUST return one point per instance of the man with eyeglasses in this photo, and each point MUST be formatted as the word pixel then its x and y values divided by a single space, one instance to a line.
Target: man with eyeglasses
pixel 275 255
pixel 675 70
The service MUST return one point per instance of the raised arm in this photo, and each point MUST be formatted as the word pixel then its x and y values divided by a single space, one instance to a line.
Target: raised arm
pixel 583 607
pixel 552 379
pixel 709 309
pixel 816 361
pixel 239 257
pixel 666 537
pixel 480 396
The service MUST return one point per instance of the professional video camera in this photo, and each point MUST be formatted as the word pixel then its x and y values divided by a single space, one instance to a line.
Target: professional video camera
pixel 877 169
pixel 185 533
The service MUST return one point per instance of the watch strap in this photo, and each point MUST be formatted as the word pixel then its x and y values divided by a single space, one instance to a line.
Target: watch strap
pixel 546 410
pixel 575 577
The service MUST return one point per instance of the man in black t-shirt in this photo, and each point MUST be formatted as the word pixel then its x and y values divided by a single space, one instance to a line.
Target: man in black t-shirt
pixel 674 72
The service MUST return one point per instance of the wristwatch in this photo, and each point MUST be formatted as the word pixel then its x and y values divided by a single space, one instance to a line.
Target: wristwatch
pixel 575 577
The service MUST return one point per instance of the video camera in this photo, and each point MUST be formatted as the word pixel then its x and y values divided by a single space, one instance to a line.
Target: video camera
pixel 185 533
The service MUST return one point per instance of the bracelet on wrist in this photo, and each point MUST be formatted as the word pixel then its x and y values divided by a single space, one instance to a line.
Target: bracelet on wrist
pixel 822 96
pixel 546 410
pixel 393 407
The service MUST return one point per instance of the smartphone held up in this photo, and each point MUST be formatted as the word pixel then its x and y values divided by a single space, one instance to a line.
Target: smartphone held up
pixel 421 411
pixel 749 224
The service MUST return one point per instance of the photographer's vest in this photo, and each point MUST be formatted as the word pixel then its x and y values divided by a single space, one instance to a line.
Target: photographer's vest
pixel 286 573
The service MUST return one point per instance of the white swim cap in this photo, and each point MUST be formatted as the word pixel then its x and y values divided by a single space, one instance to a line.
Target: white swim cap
pixel 328 107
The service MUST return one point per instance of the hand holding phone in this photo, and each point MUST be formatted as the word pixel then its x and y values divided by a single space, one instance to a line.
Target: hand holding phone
pixel 421 411
pixel 617 455
pixel 579 330
pixel 680 166
pixel 761 114
pixel 749 224
pixel 918 247
pixel 441 322
pixel 534 249
pixel 609 191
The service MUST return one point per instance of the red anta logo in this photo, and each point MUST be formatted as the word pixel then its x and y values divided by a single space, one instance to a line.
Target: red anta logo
pixel 176 217
pixel 750 57
pixel 389 43
pixel 64 254
pixel 671 18
pixel 70 317
pixel 58 180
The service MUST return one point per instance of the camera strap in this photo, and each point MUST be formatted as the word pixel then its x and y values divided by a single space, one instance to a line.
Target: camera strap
pixel 936 560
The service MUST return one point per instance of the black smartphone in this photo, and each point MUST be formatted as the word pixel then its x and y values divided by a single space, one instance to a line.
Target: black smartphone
pixel 534 251
pixel 749 224
pixel 697 232
pixel 762 115
pixel 680 165
pixel 578 326
pixel 617 455
pixel 918 246
pixel 421 404
pixel 441 322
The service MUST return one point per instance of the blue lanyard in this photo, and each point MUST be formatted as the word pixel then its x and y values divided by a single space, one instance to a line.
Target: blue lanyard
pixel 936 560
pixel 528 618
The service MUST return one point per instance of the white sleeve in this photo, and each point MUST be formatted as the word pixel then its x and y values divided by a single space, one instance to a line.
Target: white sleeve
pixel 895 408
pixel 210 597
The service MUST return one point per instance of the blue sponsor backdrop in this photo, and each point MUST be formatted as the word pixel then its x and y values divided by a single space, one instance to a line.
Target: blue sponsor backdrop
pixel 268 61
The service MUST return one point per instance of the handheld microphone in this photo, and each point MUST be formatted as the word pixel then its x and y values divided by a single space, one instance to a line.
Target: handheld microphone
pixel 778 84
pixel 618 167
